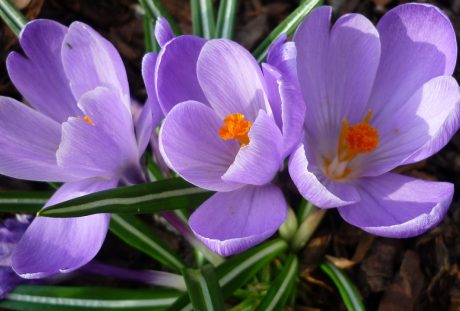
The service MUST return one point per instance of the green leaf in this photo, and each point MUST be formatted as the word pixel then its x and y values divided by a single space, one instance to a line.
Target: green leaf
pixel 59 298
pixel 347 289
pixel 203 20
pixel 238 270
pixel 12 17
pixel 279 292
pixel 168 194
pixel 226 19
pixel 203 289
pixel 154 8
pixel 135 233
pixel 23 202
pixel 288 26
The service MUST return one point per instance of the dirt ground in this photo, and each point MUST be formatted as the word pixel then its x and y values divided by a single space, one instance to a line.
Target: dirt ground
pixel 414 274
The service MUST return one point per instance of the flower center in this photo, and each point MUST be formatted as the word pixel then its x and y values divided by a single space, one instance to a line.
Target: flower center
pixel 353 141
pixel 235 127
pixel 88 120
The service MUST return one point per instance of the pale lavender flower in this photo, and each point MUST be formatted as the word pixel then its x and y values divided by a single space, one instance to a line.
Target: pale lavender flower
pixel 11 232
pixel 228 130
pixel 80 131
pixel 377 98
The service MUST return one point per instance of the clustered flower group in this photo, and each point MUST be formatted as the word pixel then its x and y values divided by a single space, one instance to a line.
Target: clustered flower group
pixel 346 104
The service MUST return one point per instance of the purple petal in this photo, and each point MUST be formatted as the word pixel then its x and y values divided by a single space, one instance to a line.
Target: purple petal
pixel 8 281
pixel 259 161
pixel 287 105
pixel 90 61
pixel 283 55
pixel 28 143
pixel 315 187
pixel 144 127
pixel 190 144
pixel 336 71
pixel 231 222
pixel 39 75
pixel 60 245
pixel 148 73
pixel 231 79
pixel 176 79
pixel 105 146
pixel 163 31
pixel 418 44
pixel 428 118
pixel 398 206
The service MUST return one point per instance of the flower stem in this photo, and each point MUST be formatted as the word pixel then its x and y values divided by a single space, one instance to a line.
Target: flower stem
pixel 175 221
pixel 307 227
pixel 151 277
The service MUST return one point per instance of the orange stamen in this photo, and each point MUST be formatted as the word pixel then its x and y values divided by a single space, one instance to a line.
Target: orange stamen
pixel 359 138
pixel 88 120
pixel 235 127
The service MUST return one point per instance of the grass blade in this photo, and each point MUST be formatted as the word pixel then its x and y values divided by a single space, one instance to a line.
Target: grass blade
pixel 168 194
pixel 203 289
pixel 226 19
pixel 238 270
pixel 135 233
pixel 203 20
pixel 59 298
pixel 279 291
pixel 27 202
pixel 347 290
pixel 12 16
pixel 288 26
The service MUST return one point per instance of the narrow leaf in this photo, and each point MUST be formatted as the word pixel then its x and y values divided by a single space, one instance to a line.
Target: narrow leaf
pixel 168 194
pixel 37 298
pixel 238 270
pixel 203 19
pixel 154 8
pixel 347 290
pixel 12 17
pixel 197 24
pixel 135 233
pixel 226 18
pixel 23 202
pixel 203 289
pixel 288 26
pixel 279 292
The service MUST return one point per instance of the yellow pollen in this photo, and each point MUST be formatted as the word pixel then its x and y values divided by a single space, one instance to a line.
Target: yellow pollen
pixel 359 138
pixel 88 120
pixel 235 127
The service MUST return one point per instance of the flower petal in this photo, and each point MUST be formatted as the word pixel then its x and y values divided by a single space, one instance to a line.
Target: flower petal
pixel 231 222
pixel 283 55
pixel 336 70
pixel 104 146
pixel 90 61
pixel 39 75
pixel 28 143
pixel 163 31
pixel 315 187
pixel 190 144
pixel 60 245
pixel 259 161
pixel 176 79
pixel 148 73
pixel 398 206
pixel 418 44
pixel 428 118
pixel 231 79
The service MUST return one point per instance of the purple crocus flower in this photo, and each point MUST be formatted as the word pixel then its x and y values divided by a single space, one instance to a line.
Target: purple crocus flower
pixel 223 132
pixel 11 232
pixel 79 131
pixel 377 98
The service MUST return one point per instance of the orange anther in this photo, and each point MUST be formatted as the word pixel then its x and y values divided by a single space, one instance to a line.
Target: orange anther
pixel 88 120
pixel 235 127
